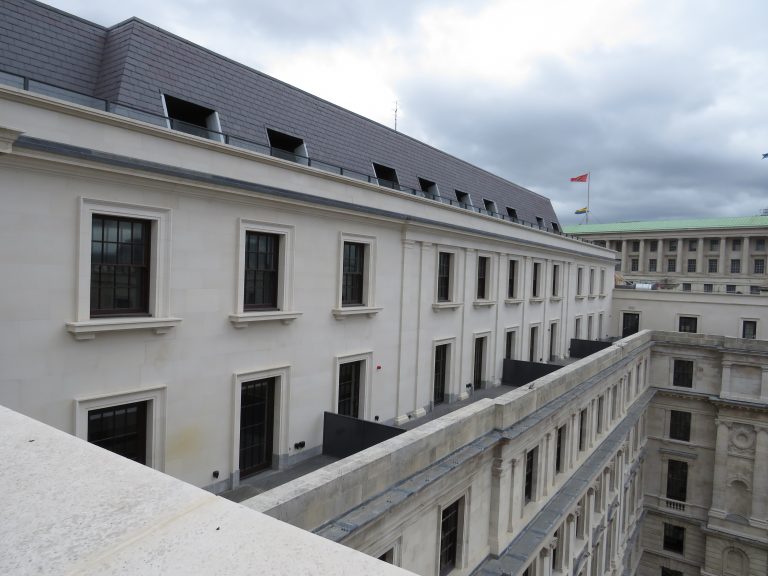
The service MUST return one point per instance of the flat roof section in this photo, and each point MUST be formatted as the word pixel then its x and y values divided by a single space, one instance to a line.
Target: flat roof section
pixel 662 225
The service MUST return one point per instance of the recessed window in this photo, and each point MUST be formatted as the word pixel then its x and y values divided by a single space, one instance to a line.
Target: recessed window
pixel 693 245
pixel 449 537
pixel 577 328
pixel 490 206
pixel 652 265
pixel 691 265
pixel 286 146
pixel 555 280
pixel 531 474
pixel 589 327
pixel 677 480
pixel 536 280
pixel 582 430
pixel 483 277
pixel 749 329
pixel 579 281
pixel 512 279
pixel 464 200
pixel 653 246
pixel 686 286
pixel 510 344
pixel 591 281
pixel 669 572
pixel 688 324
pixel 440 375
pixel 682 373
pixel 736 244
pixel 353 275
pixel 120 266
pixel 602 281
pixel 674 538
pixel 635 245
pixel 192 118
pixel 600 411
pixel 754 289
pixel 634 265
pixel 556 227
pixel 262 258
pixel 257 413
pixel 759 266
pixel 512 213
pixel 120 429
pixel 429 188
pixel 730 288
pixel 672 245
pixel 444 276
pixel 708 287
pixel 714 244
pixel 680 425
pixel 560 449
pixel 350 377
pixel 735 266
pixel 540 222
pixel 760 245
pixel 386 176
pixel 671 265
pixel 712 265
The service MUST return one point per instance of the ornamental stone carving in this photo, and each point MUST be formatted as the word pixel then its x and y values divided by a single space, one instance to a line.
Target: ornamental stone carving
pixel 742 440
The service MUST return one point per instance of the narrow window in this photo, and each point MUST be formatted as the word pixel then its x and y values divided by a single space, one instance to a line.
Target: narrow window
pixel 349 388
pixel 482 277
pixel 429 188
pixel 556 227
pixel 353 275
pixel 652 265
pixel 120 264
pixel 677 480
pixel 286 147
pixel 560 449
pixel 674 538
pixel 688 324
pixel 735 266
pixel 555 280
pixel 479 364
pixel 444 269
pixel 262 257
pixel 600 409
pixel 388 556
pixel 512 213
pixel 591 281
pixel 441 371
pixel 712 266
pixel 192 118
pixel 691 265
pixel 463 198
pixel 533 344
pixel 589 327
pixel 682 373
pixel 531 474
pixel 671 265
pixel 749 329
pixel 536 280
pixel 512 280
pixel 579 281
pixel 577 329
pixel 120 429
pixel 449 538
pixel 509 345
pixel 602 281
pixel 257 407
pixel 386 176
pixel 680 425
pixel 582 430
pixel 614 402
pixel 635 265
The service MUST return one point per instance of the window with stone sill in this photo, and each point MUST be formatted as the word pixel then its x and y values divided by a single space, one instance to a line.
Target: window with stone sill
pixel 357 262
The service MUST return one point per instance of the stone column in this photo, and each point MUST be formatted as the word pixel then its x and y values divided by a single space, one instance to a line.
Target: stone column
pixel 723 243
pixel 569 543
pixel 545 562
pixel 641 257
pixel 624 264
pixel 591 423
pixel 573 437
pixel 679 256
pixel 700 258
pixel 720 475
pixel 725 379
pixel 545 466
pixel 760 479
pixel 500 503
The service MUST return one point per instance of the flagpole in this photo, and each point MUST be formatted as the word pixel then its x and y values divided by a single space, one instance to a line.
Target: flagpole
pixel 589 180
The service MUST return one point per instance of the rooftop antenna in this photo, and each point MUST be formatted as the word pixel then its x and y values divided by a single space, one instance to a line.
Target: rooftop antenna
pixel 395 115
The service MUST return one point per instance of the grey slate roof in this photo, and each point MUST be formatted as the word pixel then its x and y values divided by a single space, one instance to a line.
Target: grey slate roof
pixel 134 62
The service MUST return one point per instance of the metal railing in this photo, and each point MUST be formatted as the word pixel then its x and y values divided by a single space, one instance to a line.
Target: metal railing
pixel 32 85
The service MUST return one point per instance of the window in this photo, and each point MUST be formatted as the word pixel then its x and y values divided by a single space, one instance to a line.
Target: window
pixel 693 245
pixel 257 412
pixel 483 277
pixel 512 279
pixel 754 289
pixel 536 280
pixel 512 213
pixel 600 410
pixel 671 265
pixel 600 243
pixel 760 245
pixel 687 324
pixel 510 344
pixel 708 287
pixel 591 281
pixel 533 344
pixel 653 246
pixel 449 537
pixel 429 188
pixel 349 388
pixel 736 244
pixel 691 265
pixel 577 329
pixel 682 373
pixel 674 537
pixel 735 266
pixel 749 329
pixel 582 430
pixel 759 266
pixel 441 373
pixel 555 280
pixel 444 276
pixel 669 572
pixel 614 401
pixel 386 176
pixel 652 265
pixel 531 474
pixel 712 266
pixel 579 281
pixel 262 257
pixel 490 206
pixel 635 245
pixel 686 287
pixel 192 118
pixel 730 288
pixel 287 147
pixel 464 200
pixel 353 275
pixel 680 425
pixel 120 429
pixel 677 480
pixel 560 449
pixel 540 222
pixel 714 244
pixel 635 265
pixel 672 245
pixel 120 266
pixel 602 281
pixel 556 227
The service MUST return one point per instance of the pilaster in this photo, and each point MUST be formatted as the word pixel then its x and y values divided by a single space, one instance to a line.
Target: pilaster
pixel 760 480
pixel 721 468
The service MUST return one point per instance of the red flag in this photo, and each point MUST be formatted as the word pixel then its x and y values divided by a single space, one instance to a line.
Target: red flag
pixel 582 178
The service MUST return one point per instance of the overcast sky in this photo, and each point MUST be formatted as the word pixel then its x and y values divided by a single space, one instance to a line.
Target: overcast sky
pixel 664 102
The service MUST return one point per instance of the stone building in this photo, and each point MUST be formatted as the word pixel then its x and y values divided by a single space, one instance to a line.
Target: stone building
pixel 202 261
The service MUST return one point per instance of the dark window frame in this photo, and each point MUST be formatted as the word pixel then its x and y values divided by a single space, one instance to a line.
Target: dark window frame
pixel 531 475
pixel 386 176
pixel 682 373
pixel 354 267
pixel 512 279
pixel 121 429
pixel 677 480
pixel 444 273
pixel 450 531
pixel 261 269
pixel 674 538
pixel 349 386
pixel 680 425
pixel 483 277
pixel 688 324
pixel 440 375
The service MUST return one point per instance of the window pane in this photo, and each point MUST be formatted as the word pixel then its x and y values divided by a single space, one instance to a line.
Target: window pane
pixel 262 252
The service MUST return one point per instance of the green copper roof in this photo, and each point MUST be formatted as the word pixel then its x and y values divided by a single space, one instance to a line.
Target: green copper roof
pixel 652 225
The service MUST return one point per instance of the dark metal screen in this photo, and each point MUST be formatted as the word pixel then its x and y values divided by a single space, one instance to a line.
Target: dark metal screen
pixel 262 257
pixel 120 429
pixel 345 435
pixel 257 408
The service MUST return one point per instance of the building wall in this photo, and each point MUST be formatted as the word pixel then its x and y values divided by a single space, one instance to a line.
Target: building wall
pixel 191 356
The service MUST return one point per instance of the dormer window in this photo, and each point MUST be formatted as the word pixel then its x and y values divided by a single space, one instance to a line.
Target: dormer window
pixel 555 227
pixel 429 188
pixel 464 199
pixel 192 118
pixel 490 206
pixel 540 222
pixel 386 176
pixel 512 213
pixel 287 147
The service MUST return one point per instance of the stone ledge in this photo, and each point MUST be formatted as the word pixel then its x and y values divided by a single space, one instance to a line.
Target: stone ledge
pixel 87 329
